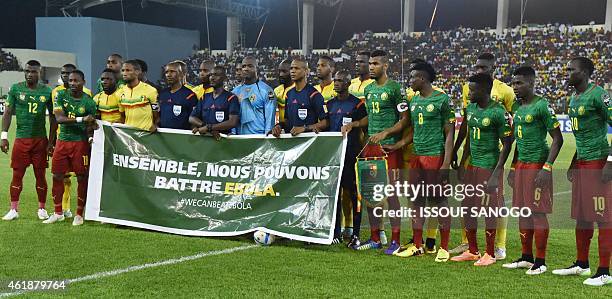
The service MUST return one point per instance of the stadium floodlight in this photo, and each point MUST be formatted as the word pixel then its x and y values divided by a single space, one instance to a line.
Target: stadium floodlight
pixel 227 7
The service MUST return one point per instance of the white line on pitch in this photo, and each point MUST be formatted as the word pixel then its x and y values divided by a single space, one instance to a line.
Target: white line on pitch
pixel 564 192
pixel 144 266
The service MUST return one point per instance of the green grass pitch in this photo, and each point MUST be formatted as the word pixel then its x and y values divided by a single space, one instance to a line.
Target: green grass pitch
pixel 30 250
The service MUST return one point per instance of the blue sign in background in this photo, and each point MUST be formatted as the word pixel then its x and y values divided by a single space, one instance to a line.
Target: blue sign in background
pixel 566 124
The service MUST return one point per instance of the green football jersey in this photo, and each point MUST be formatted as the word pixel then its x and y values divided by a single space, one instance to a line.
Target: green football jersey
pixel 74 108
pixel 381 103
pixel 531 124
pixel 428 116
pixel 30 106
pixel 591 114
pixel 485 128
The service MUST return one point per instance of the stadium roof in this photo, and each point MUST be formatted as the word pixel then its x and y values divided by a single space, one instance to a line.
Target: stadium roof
pixel 227 7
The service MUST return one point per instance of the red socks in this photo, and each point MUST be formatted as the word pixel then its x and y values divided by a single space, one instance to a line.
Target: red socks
pixel 57 191
pixel 41 186
pixel 540 222
pixel 81 195
pixel 16 187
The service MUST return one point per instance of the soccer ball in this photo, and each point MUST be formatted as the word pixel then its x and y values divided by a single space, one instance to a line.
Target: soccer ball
pixel 263 238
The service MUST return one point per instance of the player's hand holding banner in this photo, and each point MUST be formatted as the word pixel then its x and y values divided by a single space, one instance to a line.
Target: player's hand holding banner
pixel 178 183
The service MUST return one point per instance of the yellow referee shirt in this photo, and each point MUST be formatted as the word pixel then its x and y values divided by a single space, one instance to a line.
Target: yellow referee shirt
pixel 200 91
pixel 327 91
pixel 108 105
pixel 281 95
pixel 136 104
pixel 501 93
pixel 357 87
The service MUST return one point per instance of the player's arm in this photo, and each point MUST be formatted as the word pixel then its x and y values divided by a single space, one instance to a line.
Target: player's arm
pixel 462 128
pixel 52 129
pixel 460 138
pixel 155 110
pixel 448 115
pixel 394 130
pixel 409 137
pixel 361 123
pixel 320 110
pixel 464 158
pixel 277 129
pixel 605 107
pixel 552 126
pixel 449 133
pixel 512 165
pixel 61 118
pixel 6 124
pixel 322 116
pixel 227 125
pixel 504 132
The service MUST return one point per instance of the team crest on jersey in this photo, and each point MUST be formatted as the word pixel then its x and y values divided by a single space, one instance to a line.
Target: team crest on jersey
pixel 528 118
pixel 412 108
pixel 252 98
pixel 43 98
pixel 369 96
pixel 486 121
pixel 22 97
pixel 81 110
pixel 384 96
pixel 581 110
pixel 469 116
pixel 430 108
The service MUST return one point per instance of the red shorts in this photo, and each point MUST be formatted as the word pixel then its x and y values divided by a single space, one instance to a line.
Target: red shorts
pixel 394 159
pixel 478 176
pixel 426 169
pixel 591 199
pixel 525 194
pixel 71 156
pixel 28 151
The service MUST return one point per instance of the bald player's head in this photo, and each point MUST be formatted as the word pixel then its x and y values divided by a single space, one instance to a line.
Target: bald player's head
pixel 299 69
pixel 204 72
pixel 342 81
pixel 249 70
pixel 284 68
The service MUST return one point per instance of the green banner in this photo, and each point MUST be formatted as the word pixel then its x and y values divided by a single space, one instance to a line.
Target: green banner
pixel 176 182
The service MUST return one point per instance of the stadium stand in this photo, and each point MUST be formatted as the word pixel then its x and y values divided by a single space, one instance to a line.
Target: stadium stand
pixel 8 62
pixel 546 47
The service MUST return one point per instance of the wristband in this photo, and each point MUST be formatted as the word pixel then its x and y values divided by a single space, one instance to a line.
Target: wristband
pixel 512 166
pixel 4 136
pixel 609 157
pixel 547 166
pixel 79 119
